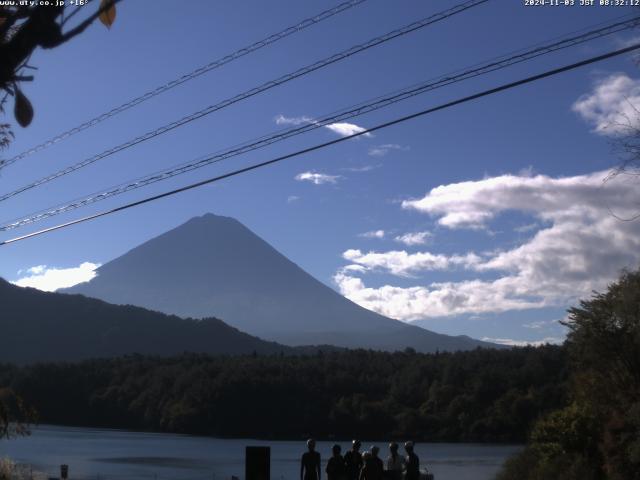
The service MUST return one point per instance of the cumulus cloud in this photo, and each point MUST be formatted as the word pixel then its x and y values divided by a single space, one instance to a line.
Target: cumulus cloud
pixel 401 263
pixel 435 300
pixel 473 204
pixel 317 178
pixel 580 247
pixel 373 234
pixel 344 129
pixel 52 279
pixel 612 107
pixel 414 238
pixel 382 150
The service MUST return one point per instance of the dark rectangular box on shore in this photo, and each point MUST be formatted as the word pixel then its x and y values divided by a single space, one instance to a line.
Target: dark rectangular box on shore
pixel 257 463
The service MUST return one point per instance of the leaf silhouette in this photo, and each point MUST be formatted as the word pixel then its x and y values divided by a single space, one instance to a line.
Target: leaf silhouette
pixel 108 16
pixel 23 110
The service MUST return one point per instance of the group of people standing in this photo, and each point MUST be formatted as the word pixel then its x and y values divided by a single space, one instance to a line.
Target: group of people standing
pixel 361 466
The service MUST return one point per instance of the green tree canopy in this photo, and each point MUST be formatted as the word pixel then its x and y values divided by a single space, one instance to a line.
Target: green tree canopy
pixel 597 436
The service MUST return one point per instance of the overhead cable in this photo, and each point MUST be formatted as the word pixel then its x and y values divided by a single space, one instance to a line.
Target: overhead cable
pixel 345 114
pixel 250 93
pixel 185 78
pixel 507 86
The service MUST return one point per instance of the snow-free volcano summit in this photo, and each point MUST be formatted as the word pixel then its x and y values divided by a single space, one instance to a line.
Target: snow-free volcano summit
pixel 213 266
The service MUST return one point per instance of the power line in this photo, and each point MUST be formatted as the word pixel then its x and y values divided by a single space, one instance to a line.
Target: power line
pixel 185 78
pixel 254 91
pixel 320 146
pixel 345 114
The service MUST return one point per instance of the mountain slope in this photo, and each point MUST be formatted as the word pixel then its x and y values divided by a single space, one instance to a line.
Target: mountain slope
pixel 37 326
pixel 215 266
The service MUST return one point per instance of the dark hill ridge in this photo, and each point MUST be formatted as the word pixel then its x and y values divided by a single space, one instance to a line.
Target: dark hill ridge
pixel 215 266
pixel 38 326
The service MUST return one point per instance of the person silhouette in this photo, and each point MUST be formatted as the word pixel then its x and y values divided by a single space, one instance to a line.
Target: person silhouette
pixel 353 461
pixel 310 463
pixel 412 462
pixel 373 466
pixel 366 461
pixel 336 468
pixel 395 463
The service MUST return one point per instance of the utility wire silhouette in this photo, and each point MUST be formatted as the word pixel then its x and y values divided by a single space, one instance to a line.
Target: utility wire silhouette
pixel 252 92
pixel 345 114
pixel 185 78
pixel 492 91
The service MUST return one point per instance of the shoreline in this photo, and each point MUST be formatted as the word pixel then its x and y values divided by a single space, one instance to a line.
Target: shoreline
pixel 127 455
pixel 266 439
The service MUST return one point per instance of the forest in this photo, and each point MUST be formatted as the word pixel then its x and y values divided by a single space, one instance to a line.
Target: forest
pixel 576 406
pixel 482 395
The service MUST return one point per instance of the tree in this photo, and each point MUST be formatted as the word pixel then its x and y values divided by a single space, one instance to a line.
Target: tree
pixel 604 340
pixel 15 416
pixel 23 28
pixel 604 344
pixel 597 436
pixel 625 140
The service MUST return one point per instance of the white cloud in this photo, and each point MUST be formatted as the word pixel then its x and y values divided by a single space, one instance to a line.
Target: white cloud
pixel 353 269
pixel 612 107
pixel 580 247
pixel 373 234
pixel 540 324
pixel 473 204
pixel 526 228
pixel 364 168
pixel 382 150
pixel 436 300
pixel 282 120
pixel 401 263
pixel 414 238
pixel 37 270
pixel 524 343
pixel 317 178
pixel 51 279
pixel 343 129
pixel 292 198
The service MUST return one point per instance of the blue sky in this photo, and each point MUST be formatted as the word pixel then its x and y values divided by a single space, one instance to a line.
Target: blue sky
pixel 487 219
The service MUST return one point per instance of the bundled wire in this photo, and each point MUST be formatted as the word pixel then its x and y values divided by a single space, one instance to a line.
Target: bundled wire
pixel 340 116
pixel 184 78
pixel 412 27
pixel 485 93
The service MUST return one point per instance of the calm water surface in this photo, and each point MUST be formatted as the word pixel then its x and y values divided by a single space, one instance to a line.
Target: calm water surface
pixel 121 455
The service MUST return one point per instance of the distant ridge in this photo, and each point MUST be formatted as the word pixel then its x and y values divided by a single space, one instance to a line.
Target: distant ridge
pixel 215 266
pixel 45 327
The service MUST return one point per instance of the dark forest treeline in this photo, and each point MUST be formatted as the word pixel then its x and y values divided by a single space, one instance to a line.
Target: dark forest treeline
pixel 481 395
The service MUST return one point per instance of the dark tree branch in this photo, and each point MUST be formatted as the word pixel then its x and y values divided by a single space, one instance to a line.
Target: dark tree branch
pixel 10 20
pixel 83 25
pixel 40 29
pixel 70 16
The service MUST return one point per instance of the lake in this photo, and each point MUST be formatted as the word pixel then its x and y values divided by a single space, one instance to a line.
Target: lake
pixel 122 455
